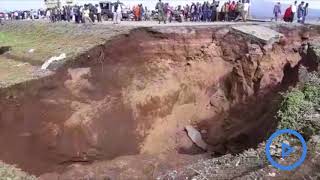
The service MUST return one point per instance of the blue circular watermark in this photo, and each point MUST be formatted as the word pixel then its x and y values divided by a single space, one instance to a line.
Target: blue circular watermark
pixel 297 163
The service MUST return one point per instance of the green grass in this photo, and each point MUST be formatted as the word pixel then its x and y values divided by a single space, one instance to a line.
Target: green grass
pixel 13 72
pixel 45 41
pixel 45 45
pixel 296 105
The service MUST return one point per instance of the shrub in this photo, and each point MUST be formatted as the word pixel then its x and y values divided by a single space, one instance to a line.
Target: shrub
pixel 311 92
pixel 300 105
pixel 292 109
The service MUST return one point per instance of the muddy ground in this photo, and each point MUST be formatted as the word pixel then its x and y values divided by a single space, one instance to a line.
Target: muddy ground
pixel 118 106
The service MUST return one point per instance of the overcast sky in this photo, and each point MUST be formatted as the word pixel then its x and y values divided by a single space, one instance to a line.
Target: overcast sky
pixel 259 7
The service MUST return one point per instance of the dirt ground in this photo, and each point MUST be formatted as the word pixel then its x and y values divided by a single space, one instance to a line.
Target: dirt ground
pixel 118 107
pixel 34 42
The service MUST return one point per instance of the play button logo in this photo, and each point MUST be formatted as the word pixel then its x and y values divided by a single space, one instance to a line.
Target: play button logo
pixel 286 150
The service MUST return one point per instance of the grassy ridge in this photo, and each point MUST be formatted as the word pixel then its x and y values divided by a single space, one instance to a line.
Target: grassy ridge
pixel 44 43
pixel 300 107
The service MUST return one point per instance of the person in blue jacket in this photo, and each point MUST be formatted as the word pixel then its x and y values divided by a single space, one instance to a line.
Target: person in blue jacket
pixel 301 12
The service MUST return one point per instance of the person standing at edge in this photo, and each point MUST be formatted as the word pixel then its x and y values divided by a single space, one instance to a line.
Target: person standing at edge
pixel 287 17
pixel 214 10
pixel 99 18
pixel 86 15
pixel 239 9
pixel 245 12
pixel 160 8
pixel 226 11
pixel 249 5
pixel 301 12
pixel 305 13
pixel 293 10
pixel 193 12
pixel 117 12
pixel 232 10
pixel 277 11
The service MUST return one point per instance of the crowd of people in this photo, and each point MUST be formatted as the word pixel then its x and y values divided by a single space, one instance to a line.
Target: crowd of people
pixel 20 15
pixel 80 14
pixel 89 13
pixel 140 13
pixel 206 12
pixel 164 12
pixel 301 11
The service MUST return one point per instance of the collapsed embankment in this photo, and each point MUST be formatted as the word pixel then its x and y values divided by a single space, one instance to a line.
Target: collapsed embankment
pixel 135 94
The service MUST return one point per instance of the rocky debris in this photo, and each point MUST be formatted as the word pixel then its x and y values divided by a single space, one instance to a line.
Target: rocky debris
pixel 250 164
pixel 313 52
pixel 224 167
pixel 233 46
pixel 138 167
pixel 185 145
pixel 196 137
pixel 254 50
pixel 260 33
pixel 283 41
pixel 54 62
pixel 267 48
pixel 315 139
pixel 220 33
pixel 305 35
pixel 295 46
pixel 276 147
pixel 9 172
pixel 244 75
pixel 303 74
pixel 219 101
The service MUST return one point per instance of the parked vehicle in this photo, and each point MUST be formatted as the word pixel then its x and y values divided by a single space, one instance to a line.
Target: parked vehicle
pixel 106 10
pixel 126 13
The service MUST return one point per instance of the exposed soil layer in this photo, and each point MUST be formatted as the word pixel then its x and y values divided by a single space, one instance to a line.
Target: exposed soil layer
pixel 135 94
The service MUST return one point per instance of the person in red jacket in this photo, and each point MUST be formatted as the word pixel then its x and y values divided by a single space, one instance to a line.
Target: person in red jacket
pixel 232 10
pixel 288 15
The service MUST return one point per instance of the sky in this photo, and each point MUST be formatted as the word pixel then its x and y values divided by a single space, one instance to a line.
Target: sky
pixel 260 8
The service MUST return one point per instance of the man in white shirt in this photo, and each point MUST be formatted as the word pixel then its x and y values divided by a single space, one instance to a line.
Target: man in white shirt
pixel 86 16
pixel 220 4
pixel 246 6
pixel 16 15
pixel 98 13
pixel 117 12
pixel 293 10
pixel 34 14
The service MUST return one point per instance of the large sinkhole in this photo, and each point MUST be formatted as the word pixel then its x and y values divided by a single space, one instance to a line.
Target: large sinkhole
pixel 136 93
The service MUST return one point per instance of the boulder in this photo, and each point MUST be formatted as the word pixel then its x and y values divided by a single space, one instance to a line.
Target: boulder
pixel 305 35
pixel 185 144
pixel 54 62
pixel 260 33
pixel 314 50
pixel 196 137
